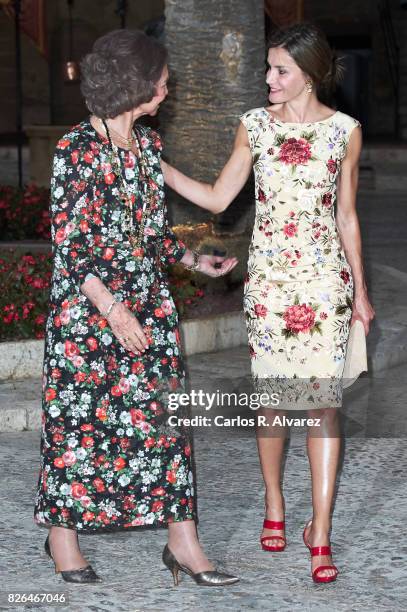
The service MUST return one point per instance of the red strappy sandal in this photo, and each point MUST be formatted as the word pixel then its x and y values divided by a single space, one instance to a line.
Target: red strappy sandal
pixel 273 525
pixel 317 551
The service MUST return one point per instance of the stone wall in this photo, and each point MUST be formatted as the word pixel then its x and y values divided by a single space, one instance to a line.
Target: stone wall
pixel 94 17
pixel 35 79
pixel 91 19
pixel 361 20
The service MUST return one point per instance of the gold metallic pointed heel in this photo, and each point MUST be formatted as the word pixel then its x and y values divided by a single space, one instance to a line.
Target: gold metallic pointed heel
pixel 209 578
pixel 83 575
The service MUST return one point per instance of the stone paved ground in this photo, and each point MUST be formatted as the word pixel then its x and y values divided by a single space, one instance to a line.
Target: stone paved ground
pixel 369 527
pixel 369 531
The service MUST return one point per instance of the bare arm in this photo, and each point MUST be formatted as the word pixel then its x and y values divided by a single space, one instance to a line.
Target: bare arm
pixel 231 180
pixel 348 227
pixel 122 322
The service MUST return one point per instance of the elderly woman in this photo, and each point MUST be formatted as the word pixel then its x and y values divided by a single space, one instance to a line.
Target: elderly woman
pixel 109 459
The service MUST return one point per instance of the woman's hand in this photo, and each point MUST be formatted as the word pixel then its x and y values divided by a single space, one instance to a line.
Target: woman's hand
pixel 362 311
pixel 127 329
pixel 213 265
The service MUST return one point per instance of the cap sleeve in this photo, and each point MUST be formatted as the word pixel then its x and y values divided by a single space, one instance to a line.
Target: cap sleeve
pixel 352 124
pixel 348 124
pixel 249 121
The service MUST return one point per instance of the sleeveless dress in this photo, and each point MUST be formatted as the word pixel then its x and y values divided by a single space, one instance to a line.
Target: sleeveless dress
pixel 108 457
pixel 299 287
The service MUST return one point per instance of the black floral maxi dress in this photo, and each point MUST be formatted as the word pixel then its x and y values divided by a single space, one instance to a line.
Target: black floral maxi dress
pixel 108 457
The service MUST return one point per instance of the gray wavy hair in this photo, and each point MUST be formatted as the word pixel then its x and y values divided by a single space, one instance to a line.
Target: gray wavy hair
pixel 121 72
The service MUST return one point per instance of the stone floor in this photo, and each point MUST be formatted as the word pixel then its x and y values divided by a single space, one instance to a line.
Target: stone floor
pixel 369 523
pixel 368 539
pixel 369 532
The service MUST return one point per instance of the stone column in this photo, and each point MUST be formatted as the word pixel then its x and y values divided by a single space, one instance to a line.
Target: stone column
pixel 217 72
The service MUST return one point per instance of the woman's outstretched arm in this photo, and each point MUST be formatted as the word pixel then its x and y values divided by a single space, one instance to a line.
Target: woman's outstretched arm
pixel 348 228
pixel 231 180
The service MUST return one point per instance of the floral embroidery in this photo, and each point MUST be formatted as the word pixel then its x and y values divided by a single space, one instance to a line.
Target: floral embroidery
pixel 299 286
pixel 295 151
pixel 299 318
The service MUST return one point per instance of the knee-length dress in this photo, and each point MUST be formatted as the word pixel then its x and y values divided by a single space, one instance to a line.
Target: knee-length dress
pixel 108 457
pixel 299 287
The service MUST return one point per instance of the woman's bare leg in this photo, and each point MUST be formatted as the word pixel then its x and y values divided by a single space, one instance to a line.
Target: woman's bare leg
pixel 323 447
pixel 184 544
pixel 270 444
pixel 65 549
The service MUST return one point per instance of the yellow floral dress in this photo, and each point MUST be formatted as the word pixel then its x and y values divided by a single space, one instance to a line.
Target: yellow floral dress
pixel 299 287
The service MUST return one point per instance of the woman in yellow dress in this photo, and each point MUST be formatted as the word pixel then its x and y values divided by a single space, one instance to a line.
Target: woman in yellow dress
pixel 305 285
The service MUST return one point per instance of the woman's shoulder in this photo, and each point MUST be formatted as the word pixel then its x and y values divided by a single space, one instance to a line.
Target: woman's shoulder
pixel 78 137
pixel 346 121
pixel 254 119
pixel 253 114
pixel 149 138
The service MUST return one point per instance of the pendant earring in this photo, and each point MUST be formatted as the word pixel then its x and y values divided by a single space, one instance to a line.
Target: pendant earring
pixel 308 86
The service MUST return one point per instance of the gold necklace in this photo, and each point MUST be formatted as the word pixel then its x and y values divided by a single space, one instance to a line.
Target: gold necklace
pixel 135 239
pixel 128 141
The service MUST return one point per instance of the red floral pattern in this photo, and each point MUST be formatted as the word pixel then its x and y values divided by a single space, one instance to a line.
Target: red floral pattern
pixel 108 457
pixel 299 318
pixel 295 151
pixel 332 166
pixel 299 288
pixel 327 200
pixel 260 310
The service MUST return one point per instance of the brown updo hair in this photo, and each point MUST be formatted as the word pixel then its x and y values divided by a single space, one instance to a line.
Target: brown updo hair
pixel 311 51
pixel 121 72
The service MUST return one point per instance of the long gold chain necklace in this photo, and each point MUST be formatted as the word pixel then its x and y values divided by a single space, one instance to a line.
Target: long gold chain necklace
pixel 135 239
pixel 128 142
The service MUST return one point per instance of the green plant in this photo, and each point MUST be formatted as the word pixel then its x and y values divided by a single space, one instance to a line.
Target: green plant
pixel 186 289
pixel 25 280
pixel 24 298
pixel 24 213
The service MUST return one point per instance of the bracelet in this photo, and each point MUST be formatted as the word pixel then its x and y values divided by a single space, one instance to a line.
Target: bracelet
pixel 194 267
pixel 109 310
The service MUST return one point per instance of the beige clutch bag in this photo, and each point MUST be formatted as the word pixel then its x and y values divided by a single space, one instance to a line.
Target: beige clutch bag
pixel 356 354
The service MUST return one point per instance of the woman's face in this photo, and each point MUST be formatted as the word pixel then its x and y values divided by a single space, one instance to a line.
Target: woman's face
pixel 161 92
pixel 284 77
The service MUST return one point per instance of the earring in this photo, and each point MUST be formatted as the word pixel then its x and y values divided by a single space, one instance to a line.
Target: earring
pixel 308 85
